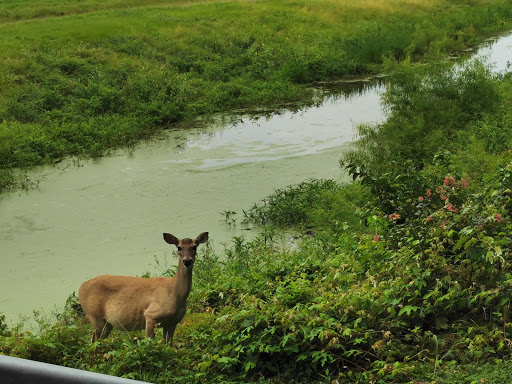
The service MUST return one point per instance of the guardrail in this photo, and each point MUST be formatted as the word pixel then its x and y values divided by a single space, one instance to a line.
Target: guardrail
pixel 14 370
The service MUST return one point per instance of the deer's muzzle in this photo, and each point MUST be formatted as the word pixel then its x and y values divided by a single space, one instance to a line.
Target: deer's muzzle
pixel 188 262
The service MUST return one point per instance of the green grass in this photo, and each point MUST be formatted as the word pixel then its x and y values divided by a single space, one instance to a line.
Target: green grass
pixel 403 277
pixel 12 11
pixel 81 78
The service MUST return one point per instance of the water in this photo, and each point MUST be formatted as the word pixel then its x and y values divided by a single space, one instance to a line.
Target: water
pixel 108 215
pixel 498 53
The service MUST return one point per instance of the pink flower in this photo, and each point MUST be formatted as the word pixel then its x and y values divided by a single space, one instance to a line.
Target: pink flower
pixel 440 190
pixel 498 217
pixel 429 193
pixel 444 198
pixel 394 216
pixel 376 238
pixel 429 218
pixel 464 183
pixel 451 208
pixel 449 181
pixel 420 198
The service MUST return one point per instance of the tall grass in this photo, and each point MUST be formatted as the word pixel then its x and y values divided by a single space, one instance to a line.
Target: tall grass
pixel 11 11
pixel 82 78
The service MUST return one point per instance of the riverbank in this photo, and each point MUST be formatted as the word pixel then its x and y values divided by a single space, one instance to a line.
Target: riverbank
pixel 403 276
pixel 89 78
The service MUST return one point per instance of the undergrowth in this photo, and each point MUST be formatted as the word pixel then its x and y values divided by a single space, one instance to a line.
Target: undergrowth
pixel 82 78
pixel 403 276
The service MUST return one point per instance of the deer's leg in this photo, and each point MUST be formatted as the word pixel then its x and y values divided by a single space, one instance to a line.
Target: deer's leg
pixel 169 332
pixel 101 330
pixel 107 328
pixel 150 327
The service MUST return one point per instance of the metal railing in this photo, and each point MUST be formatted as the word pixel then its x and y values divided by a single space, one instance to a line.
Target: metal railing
pixel 14 370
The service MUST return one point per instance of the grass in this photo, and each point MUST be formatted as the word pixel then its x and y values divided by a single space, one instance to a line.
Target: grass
pixel 402 277
pixel 12 11
pixel 83 78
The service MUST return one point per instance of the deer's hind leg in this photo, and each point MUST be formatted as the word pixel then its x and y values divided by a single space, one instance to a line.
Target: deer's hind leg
pixel 168 331
pixel 101 330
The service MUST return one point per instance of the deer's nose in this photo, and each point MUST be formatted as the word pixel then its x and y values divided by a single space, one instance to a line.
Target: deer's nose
pixel 188 262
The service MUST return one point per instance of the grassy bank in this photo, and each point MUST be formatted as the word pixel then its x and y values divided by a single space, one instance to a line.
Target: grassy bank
pixel 80 78
pixel 404 276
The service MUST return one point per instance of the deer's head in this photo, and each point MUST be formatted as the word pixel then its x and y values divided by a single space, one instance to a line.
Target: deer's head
pixel 187 248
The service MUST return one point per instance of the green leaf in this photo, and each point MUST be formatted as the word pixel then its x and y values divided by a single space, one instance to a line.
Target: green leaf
pixel 408 309
pixel 246 322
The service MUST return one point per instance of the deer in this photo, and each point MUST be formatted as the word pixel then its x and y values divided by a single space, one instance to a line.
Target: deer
pixel 134 303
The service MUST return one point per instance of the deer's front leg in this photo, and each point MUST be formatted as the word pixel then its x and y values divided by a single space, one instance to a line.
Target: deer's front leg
pixel 150 327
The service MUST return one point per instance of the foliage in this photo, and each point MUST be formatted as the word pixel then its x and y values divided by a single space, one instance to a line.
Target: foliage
pixel 81 78
pixel 422 292
pixel 431 108
pixel 312 203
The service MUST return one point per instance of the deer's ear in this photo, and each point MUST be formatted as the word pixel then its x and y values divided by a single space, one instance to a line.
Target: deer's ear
pixel 171 239
pixel 202 238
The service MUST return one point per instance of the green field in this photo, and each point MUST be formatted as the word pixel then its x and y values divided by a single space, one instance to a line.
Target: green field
pixel 403 276
pixel 80 78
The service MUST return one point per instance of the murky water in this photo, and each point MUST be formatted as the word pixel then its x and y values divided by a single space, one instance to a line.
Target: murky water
pixel 108 215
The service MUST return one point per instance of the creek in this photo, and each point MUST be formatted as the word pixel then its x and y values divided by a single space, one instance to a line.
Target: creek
pixel 107 216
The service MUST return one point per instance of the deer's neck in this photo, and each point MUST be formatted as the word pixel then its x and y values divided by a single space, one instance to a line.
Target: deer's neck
pixel 183 281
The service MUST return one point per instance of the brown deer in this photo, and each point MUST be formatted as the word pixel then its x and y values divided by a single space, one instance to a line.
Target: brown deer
pixel 131 303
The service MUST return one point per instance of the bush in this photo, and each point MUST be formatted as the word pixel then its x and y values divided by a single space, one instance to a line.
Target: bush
pixel 319 204
pixel 429 108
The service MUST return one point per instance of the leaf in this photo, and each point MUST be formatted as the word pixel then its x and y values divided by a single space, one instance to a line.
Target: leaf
pixel 247 322
pixel 396 301
pixel 302 356
pixel 408 309
pixel 470 242
pixel 227 360
pixel 291 348
pixel 504 301
pixel 461 242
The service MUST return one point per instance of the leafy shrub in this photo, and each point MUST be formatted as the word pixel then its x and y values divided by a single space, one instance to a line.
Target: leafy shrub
pixel 321 204
pixel 428 108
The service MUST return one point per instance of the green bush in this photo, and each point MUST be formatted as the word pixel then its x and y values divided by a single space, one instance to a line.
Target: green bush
pixel 429 109
pixel 320 204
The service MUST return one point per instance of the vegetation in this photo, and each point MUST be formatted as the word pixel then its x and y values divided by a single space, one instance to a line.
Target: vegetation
pixel 80 78
pixel 403 276
pixel 418 290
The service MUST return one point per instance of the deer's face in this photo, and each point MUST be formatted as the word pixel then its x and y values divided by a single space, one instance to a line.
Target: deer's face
pixel 187 248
